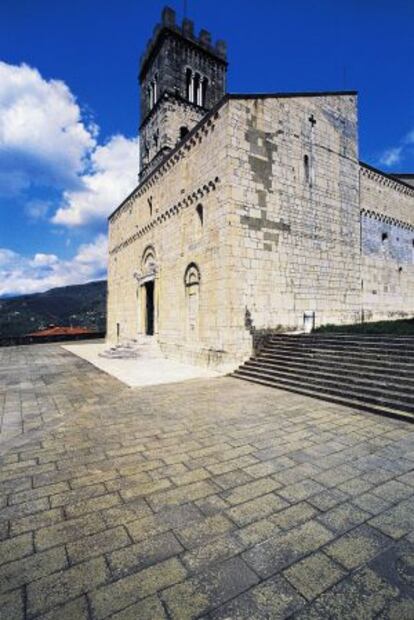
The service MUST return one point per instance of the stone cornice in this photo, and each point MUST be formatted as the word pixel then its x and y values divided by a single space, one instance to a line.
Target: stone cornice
pixel 380 217
pixel 168 213
pixel 192 139
pixel 385 179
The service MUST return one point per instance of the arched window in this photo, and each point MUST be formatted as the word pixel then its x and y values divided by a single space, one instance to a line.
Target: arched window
pixel 150 206
pixel 197 89
pixel 189 84
pixel 183 132
pixel 306 168
pixel 153 92
pixel 384 236
pixel 204 85
pixel 155 87
pixel 192 275
pixel 200 214
pixel 192 292
pixel 149 260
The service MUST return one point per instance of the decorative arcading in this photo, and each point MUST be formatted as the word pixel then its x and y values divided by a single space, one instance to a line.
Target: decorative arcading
pixel 387 181
pixel 171 159
pixel 380 217
pixel 190 199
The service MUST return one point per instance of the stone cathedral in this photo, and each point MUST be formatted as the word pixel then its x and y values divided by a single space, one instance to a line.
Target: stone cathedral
pixel 252 212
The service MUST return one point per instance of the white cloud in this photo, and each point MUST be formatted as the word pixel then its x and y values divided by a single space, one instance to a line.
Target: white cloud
pixel 37 209
pixel 397 154
pixel 94 254
pixel 6 256
pixel 22 275
pixel 409 138
pixel 44 260
pixel 112 176
pixel 43 138
pixel 392 156
pixel 57 172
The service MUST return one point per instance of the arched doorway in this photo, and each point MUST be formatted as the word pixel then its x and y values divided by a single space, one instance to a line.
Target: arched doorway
pixel 149 308
pixel 146 294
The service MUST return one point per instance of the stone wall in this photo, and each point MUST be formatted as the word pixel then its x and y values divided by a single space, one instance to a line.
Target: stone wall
pixel 295 222
pixel 281 231
pixel 161 131
pixel 193 320
pixel 387 248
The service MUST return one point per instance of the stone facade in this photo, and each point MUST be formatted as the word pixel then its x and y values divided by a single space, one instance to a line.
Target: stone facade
pixel 387 256
pixel 294 176
pixel 260 216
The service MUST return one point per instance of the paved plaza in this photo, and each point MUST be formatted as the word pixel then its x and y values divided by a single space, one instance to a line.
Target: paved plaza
pixel 210 498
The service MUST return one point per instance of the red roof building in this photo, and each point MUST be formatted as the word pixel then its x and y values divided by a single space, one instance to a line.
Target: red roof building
pixel 57 330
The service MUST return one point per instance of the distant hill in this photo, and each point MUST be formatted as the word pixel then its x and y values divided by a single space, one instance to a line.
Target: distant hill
pixel 80 305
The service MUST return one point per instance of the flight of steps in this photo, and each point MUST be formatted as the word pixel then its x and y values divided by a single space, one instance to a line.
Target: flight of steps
pixel 142 346
pixel 375 373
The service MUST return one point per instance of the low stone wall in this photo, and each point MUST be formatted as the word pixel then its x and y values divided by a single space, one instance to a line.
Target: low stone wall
pixel 12 341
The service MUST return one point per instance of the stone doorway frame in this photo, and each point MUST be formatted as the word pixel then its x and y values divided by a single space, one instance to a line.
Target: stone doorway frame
pixel 148 289
pixel 148 274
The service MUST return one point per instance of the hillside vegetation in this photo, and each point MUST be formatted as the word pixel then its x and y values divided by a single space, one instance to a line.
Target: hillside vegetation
pixel 80 305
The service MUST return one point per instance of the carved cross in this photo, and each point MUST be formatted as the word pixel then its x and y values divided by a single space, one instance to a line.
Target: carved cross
pixel 312 120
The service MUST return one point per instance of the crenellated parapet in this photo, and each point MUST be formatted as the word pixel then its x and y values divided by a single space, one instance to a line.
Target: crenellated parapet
pixel 186 30
pixel 182 77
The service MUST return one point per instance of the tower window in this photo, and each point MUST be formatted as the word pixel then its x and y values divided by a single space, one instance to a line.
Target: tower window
pixel 189 84
pixel 152 92
pixel 384 236
pixel 155 86
pixel 183 132
pixel 200 214
pixel 306 168
pixel 197 89
pixel 204 85
pixel 150 206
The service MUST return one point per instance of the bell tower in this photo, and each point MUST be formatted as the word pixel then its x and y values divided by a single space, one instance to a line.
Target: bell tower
pixel 181 77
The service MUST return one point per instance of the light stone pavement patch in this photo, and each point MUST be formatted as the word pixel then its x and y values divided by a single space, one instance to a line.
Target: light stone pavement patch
pixel 212 499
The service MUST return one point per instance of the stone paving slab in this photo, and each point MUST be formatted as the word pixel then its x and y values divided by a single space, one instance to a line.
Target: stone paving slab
pixel 212 499
pixel 154 369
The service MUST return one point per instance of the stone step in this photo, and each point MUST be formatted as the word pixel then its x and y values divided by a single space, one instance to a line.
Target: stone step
pixel 144 346
pixel 347 350
pixel 342 344
pixel 346 394
pixel 376 368
pixel 369 380
pixel 335 381
pixel 359 338
pixel 343 336
pixel 391 410
pixel 369 371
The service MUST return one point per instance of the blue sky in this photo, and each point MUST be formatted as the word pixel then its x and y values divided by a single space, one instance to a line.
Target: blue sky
pixel 69 105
